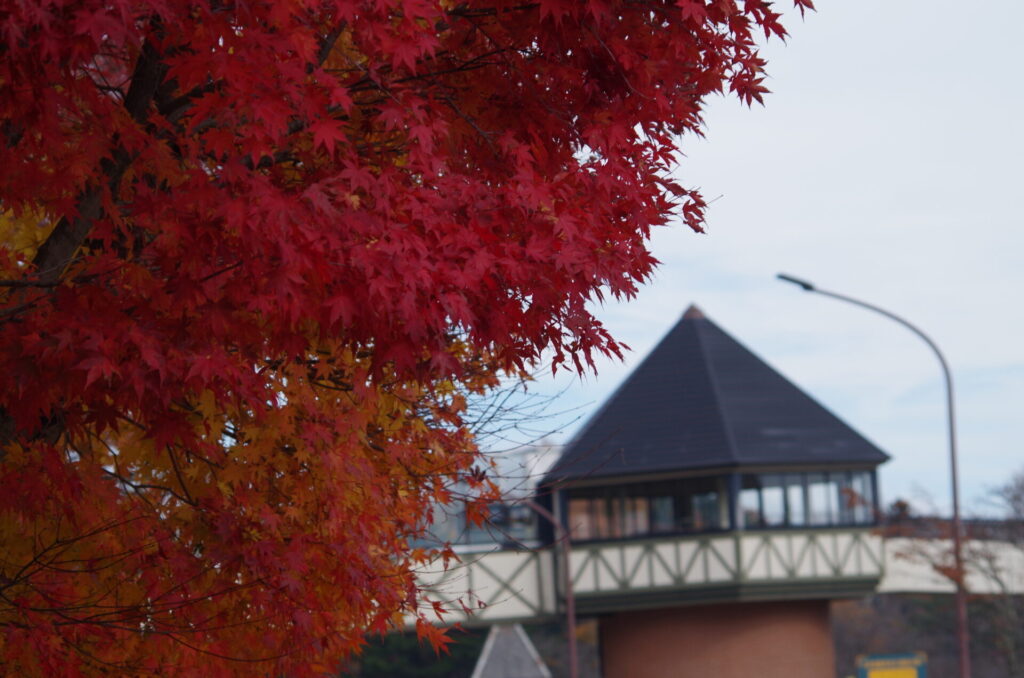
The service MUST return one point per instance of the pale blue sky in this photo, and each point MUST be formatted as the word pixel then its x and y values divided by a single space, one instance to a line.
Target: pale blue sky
pixel 886 165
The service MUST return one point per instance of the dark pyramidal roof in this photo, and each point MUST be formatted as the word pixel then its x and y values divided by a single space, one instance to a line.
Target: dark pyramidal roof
pixel 701 400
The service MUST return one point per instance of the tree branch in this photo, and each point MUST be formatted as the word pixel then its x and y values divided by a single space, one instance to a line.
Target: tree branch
pixel 57 253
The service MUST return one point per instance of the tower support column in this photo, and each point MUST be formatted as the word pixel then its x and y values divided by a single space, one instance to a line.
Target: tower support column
pixel 790 639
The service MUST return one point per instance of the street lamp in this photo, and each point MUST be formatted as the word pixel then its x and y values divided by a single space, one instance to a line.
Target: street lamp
pixel 962 632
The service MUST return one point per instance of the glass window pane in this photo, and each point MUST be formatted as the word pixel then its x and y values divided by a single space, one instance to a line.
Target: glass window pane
pixel 446 525
pixel 521 525
pixel 634 519
pixel 661 515
pixel 581 521
pixel 705 511
pixel 599 514
pixel 750 508
pixel 846 497
pixel 773 504
pixel 773 499
pixel 616 517
pixel 682 518
pixel 640 509
pixel 818 499
pixel 863 512
pixel 795 499
pixel 626 517
pixel 641 516
pixel 832 493
pixel 486 532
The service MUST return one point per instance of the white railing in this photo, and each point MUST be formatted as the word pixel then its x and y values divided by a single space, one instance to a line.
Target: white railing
pixel 518 585
pixel 746 559
pixel 495 586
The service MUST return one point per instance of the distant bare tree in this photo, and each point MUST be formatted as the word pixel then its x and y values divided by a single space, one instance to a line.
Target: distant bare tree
pixel 1006 607
pixel 994 562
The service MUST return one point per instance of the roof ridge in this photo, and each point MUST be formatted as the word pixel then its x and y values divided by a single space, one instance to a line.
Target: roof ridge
pixel 715 390
pixel 594 419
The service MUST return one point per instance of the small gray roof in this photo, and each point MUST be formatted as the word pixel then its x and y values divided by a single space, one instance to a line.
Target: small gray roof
pixel 508 653
pixel 702 400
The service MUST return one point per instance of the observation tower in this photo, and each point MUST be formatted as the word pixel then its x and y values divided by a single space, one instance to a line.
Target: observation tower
pixel 713 510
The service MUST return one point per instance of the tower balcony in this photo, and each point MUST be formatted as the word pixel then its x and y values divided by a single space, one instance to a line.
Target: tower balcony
pixel 664 571
pixel 726 567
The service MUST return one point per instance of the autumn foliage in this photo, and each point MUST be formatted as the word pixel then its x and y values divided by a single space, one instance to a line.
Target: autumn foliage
pixel 254 256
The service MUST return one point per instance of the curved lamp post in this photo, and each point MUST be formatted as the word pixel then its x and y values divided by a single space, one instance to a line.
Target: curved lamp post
pixel 962 633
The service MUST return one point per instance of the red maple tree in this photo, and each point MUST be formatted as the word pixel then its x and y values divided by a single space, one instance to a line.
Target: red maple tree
pixel 254 255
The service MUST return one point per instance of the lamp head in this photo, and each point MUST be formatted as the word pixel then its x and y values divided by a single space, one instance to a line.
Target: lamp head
pixel 806 286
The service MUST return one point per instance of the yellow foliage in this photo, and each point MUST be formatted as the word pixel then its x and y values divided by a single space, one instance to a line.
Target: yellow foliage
pixel 22 233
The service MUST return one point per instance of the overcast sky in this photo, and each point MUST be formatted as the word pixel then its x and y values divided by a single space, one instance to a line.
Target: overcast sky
pixel 886 165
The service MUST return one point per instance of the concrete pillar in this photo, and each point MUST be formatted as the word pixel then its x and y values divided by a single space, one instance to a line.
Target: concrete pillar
pixel 789 639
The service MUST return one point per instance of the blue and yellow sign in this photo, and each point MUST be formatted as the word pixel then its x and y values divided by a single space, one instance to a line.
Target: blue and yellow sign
pixel 893 665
